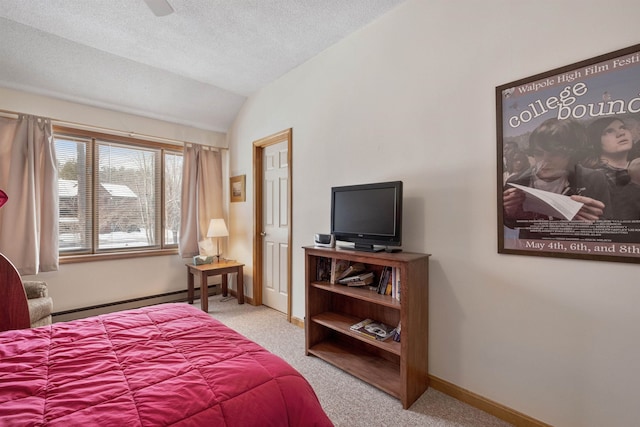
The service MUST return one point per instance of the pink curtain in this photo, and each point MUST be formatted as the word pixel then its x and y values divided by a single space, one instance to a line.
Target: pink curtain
pixel 201 195
pixel 28 175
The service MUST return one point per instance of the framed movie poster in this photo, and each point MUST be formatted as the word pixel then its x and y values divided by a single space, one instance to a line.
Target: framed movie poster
pixel 569 161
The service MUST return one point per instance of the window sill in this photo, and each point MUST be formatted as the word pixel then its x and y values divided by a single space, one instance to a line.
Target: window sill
pixel 72 259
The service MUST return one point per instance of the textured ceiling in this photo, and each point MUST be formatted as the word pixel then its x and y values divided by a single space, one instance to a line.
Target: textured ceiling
pixel 195 66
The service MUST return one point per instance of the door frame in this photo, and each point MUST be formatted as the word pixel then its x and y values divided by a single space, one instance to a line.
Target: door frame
pixel 258 170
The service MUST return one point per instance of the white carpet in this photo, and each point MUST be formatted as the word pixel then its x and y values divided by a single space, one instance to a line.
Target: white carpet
pixel 348 401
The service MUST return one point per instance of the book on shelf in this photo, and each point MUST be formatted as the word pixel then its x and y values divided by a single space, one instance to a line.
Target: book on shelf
pixel 394 283
pixel 395 286
pixel 357 280
pixel 381 279
pixel 361 276
pixel 338 266
pixel 323 269
pixel 375 330
pixel 364 282
pixel 385 280
pixel 351 270
pixel 396 333
pixel 389 288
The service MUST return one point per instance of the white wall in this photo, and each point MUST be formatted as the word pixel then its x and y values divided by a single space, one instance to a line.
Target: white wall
pixel 412 97
pixel 71 112
pixel 93 283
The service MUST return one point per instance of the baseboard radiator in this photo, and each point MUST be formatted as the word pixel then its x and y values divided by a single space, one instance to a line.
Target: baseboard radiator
pixel 177 296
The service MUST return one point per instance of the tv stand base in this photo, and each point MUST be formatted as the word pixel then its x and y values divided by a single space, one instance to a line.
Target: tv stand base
pixel 362 248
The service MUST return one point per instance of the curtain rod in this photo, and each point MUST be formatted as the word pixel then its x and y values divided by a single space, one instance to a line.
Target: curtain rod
pixel 108 130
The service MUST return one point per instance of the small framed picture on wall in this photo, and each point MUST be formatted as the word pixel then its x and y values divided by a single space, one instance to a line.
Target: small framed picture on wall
pixel 237 189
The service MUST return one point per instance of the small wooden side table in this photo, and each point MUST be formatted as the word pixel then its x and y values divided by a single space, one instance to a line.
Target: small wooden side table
pixel 222 268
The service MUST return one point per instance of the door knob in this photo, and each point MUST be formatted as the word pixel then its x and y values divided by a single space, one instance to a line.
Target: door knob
pixel 262 233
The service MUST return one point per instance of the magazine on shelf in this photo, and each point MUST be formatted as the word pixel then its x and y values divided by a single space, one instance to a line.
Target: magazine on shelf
pixel 360 328
pixel 382 331
pixel 374 330
pixel 366 278
pixel 360 324
pixel 364 282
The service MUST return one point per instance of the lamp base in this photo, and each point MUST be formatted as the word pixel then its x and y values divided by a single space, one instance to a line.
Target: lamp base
pixel 218 242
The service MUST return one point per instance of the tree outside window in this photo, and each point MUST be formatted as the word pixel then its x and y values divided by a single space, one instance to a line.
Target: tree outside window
pixel 126 197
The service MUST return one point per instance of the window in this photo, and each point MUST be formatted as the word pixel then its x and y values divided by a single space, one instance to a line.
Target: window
pixel 116 194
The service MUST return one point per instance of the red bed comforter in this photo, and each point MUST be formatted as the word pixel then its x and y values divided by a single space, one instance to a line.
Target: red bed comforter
pixel 170 364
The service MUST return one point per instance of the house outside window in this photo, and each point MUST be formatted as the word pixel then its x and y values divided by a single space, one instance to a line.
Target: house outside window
pixel 116 193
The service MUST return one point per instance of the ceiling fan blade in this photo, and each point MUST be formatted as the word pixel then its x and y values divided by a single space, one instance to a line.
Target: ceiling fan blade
pixel 159 7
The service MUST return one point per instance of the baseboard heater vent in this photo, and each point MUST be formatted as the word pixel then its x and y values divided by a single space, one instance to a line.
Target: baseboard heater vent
pixel 94 310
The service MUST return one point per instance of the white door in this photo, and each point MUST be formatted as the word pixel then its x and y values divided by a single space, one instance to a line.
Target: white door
pixel 275 240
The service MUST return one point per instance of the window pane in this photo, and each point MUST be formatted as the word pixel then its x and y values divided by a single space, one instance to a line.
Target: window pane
pixel 116 194
pixel 172 189
pixel 74 184
pixel 127 196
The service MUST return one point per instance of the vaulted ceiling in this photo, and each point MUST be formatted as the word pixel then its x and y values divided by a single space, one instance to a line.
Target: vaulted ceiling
pixel 195 66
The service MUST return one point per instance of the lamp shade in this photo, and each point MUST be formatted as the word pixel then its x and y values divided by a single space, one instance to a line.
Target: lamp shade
pixel 217 228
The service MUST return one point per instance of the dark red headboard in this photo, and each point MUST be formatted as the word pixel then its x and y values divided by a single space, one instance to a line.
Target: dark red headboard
pixel 14 311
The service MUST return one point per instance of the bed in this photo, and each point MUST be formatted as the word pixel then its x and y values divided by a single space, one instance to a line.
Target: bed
pixel 169 364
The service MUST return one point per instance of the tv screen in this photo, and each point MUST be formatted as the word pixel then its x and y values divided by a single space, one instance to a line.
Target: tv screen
pixel 367 215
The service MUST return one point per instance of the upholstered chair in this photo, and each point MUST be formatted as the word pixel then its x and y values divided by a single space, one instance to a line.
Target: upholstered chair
pixel 22 305
pixel 39 302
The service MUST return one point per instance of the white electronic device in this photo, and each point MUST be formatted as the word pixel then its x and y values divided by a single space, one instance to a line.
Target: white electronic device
pixel 324 240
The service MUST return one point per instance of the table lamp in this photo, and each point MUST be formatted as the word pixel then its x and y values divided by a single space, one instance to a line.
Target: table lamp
pixel 217 229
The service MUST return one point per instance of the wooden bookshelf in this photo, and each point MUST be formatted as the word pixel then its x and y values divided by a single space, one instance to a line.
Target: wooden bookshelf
pixel 399 369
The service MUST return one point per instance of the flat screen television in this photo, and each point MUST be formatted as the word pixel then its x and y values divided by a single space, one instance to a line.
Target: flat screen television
pixel 367 215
